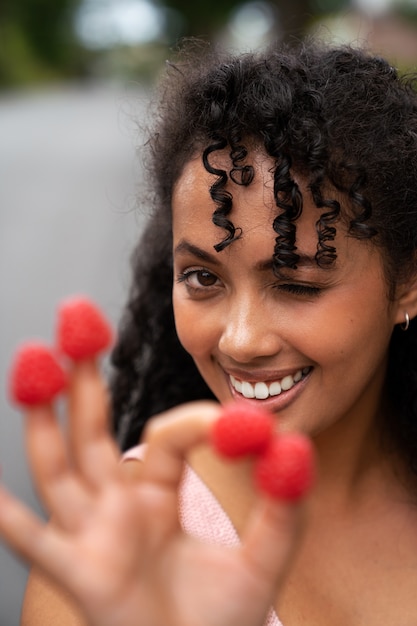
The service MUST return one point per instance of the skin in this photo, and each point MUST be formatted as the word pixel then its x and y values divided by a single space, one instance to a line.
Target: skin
pixel 247 323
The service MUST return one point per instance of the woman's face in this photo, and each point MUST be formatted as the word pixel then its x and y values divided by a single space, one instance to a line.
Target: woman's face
pixel 312 345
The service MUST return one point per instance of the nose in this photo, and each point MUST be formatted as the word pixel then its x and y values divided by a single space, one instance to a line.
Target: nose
pixel 250 330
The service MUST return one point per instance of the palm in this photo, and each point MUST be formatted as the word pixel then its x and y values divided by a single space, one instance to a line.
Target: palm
pixel 116 544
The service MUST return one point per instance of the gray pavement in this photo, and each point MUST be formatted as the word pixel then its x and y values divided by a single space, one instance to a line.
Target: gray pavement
pixel 68 222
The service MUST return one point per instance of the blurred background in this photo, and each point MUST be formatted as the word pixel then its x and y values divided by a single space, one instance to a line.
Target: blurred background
pixel 75 77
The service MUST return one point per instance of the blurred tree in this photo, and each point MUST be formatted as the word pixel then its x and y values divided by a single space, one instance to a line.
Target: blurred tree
pixel 204 18
pixel 37 40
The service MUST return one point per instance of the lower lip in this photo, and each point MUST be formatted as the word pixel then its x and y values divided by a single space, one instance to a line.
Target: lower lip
pixel 275 403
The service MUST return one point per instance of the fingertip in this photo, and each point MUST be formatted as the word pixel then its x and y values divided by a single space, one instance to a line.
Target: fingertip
pixel 84 367
pixel 39 411
pixel 192 416
pixel 85 378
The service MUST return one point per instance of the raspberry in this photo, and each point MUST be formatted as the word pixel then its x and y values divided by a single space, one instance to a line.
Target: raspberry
pixel 36 376
pixel 285 469
pixel 242 430
pixel 82 330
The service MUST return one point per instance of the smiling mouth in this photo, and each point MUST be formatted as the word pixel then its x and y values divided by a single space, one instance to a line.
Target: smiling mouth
pixel 262 390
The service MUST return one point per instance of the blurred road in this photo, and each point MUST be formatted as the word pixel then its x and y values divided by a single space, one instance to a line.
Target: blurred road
pixel 68 222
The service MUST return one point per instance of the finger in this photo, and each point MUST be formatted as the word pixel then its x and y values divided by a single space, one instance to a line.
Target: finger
pixel 21 529
pixel 58 488
pixel 37 543
pixel 169 438
pixel 93 450
pixel 270 541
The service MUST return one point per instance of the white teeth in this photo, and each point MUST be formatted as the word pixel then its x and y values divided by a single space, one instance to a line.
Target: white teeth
pixel 237 384
pixel 248 390
pixel 298 376
pixel 287 382
pixel 274 389
pixel 261 390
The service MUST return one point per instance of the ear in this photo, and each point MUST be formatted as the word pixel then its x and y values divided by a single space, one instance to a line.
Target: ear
pixel 406 300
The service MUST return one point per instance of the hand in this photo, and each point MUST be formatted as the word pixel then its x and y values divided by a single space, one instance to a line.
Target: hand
pixel 115 544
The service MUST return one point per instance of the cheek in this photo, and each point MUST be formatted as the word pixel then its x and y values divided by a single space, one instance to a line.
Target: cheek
pixel 354 324
pixel 353 338
pixel 195 332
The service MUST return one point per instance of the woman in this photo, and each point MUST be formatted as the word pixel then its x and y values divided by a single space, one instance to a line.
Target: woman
pixel 278 267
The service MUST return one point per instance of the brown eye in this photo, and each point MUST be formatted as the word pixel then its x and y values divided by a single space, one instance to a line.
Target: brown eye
pixel 205 279
pixel 198 280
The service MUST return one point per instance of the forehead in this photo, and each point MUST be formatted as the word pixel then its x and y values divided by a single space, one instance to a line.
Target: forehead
pixel 253 206
pixel 253 211
pixel 196 179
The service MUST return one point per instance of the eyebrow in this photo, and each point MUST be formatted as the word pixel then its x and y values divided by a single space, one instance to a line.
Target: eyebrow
pixel 306 260
pixel 186 247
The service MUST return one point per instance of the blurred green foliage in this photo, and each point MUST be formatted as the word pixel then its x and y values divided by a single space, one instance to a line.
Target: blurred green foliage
pixel 203 18
pixel 37 41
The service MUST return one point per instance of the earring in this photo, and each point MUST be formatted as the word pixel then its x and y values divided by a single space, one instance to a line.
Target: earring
pixel 406 323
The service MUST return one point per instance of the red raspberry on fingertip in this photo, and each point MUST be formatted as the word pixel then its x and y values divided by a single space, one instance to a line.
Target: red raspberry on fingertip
pixel 36 375
pixel 286 469
pixel 82 329
pixel 242 430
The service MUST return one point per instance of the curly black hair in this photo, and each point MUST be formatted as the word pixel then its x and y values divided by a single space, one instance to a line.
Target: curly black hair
pixel 339 115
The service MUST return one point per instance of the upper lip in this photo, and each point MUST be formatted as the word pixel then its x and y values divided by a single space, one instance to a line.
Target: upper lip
pixel 263 376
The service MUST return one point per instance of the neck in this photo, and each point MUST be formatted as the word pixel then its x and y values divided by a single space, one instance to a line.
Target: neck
pixel 355 466
pixel 347 459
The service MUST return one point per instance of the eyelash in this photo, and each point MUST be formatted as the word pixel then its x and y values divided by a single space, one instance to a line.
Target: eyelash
pixel 299 290
pixel 184 277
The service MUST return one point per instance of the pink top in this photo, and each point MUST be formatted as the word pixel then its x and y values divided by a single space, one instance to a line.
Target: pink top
pixel 202 516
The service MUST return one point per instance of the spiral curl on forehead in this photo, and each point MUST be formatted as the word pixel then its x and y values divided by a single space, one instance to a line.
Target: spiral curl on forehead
pixel 287 197
pixel 221 197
